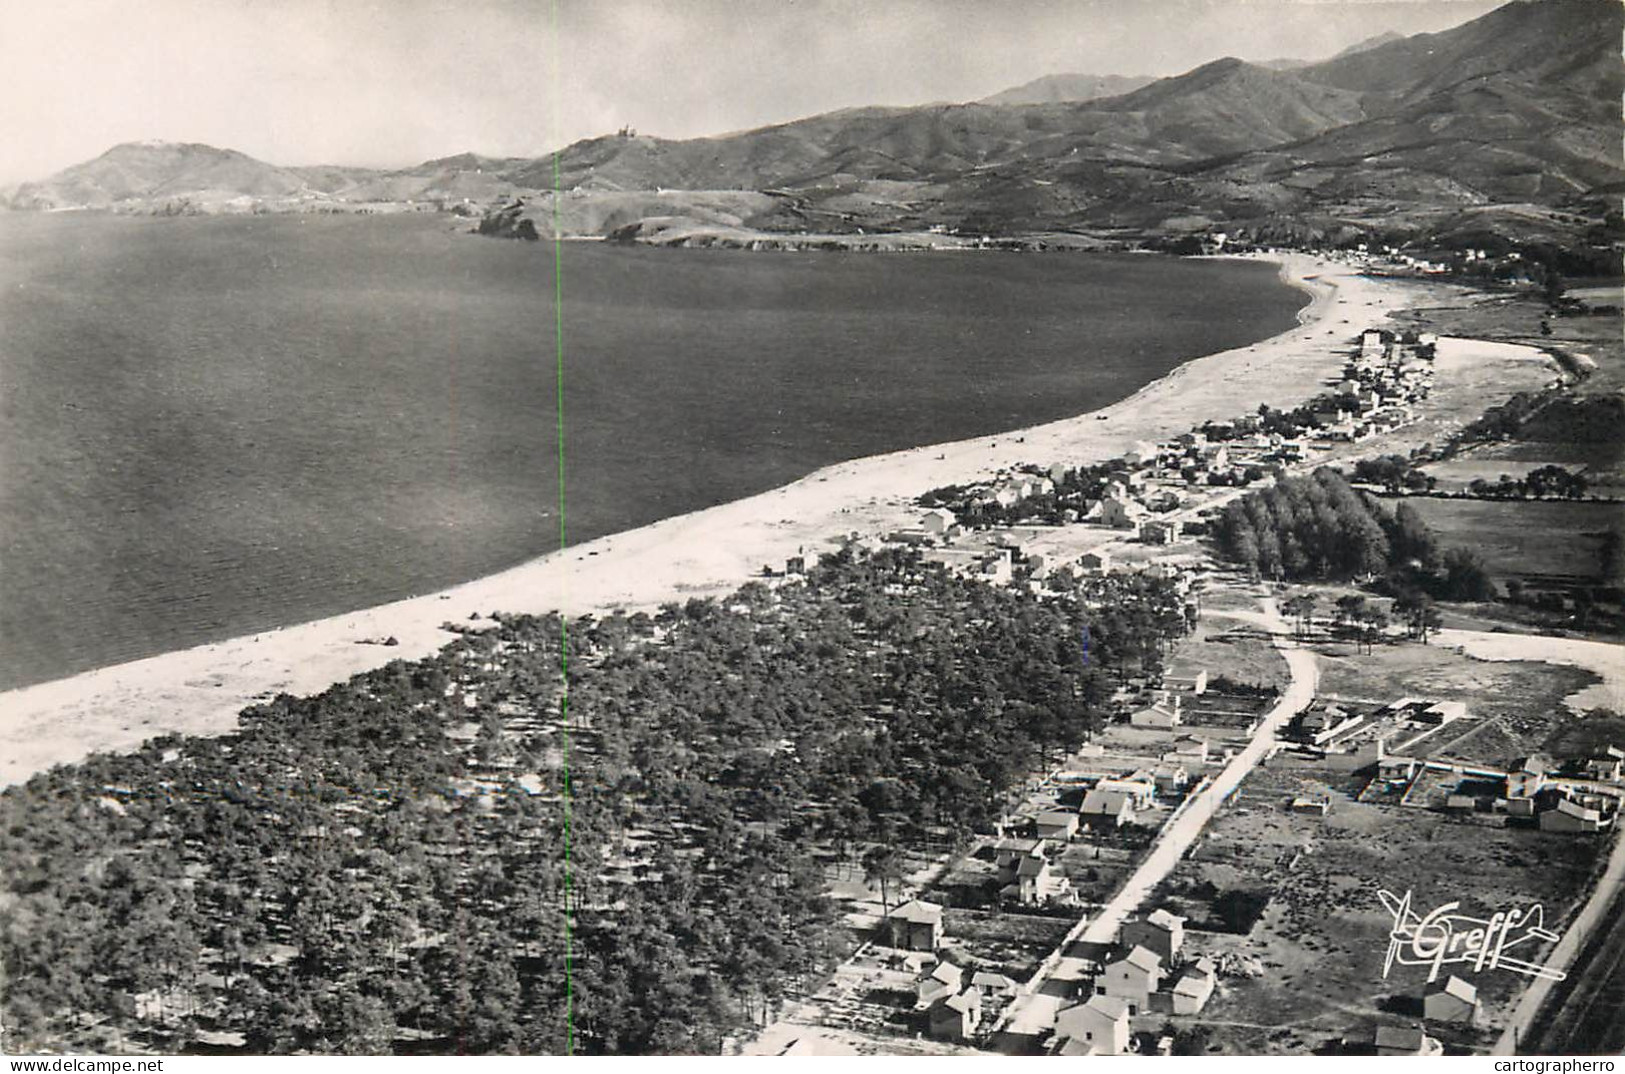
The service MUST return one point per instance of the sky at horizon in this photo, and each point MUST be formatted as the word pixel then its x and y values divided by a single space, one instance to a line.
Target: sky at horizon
pixel 389 83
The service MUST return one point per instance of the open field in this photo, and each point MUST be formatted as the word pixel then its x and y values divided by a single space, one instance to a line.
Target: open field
pixel 1224 646
pixel 1515 317
pixel 1321 939
pixel 1599 463
pixel 1602 661
pixel 1524 537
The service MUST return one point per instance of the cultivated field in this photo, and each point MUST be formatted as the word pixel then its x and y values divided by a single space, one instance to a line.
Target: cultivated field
pixel 1524 538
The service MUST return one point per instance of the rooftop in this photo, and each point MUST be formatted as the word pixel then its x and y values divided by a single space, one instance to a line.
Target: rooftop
pixel 924 913
pixel 1143 959
pixel 1462 990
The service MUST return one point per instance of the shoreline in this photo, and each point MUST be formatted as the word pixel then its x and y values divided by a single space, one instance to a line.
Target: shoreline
pixel 706 552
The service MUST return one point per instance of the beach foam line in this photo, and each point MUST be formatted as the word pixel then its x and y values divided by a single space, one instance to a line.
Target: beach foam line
pixel 710 551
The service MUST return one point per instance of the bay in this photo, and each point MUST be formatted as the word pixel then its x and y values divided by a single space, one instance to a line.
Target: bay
pixel 213 426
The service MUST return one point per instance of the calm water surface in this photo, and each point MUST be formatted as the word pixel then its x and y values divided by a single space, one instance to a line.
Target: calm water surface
pixel 214 426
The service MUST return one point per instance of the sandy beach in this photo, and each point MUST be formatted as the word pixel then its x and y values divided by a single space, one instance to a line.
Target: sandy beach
pixel 201 690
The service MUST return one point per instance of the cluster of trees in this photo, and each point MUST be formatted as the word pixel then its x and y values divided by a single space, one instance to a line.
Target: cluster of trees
pixel 1392 472
pixel 1318 528
pixel 1419 614
pixel 314 882
pixel 1244 476
pixel 1357 617
pixel 1315 527
pixel 1547 482
pixel 1502 421
pixel 1396 473
pixel 474 853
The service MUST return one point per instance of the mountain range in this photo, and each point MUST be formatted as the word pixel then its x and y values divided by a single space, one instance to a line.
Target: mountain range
pixel 1506 127
pixel 1057 89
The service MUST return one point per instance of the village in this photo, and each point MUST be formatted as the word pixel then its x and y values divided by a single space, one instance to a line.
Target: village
pixel 1152 894
pixel 1149 503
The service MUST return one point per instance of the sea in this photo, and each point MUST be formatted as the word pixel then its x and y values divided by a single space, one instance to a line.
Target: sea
pixel 212 426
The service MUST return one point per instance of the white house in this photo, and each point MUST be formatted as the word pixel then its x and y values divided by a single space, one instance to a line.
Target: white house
pixel 1571 816
pixel 994 984
pixel 1007 854
pixel 1163 713
pixel 956 1017
pixel 1132 978
pixel 915 926
pixel 1057 824
pixel 1188 749
pixel 1527 776
pixel 1100 1026
pixel 1170 778
pixel 1140 788
pixel 997 566
pixel 1160 932
pixel 1120 512
pixel 944 979
pixel 1036 882
pixel 1607 766
pixel 1429 713
pixel 937 521
pixel 1103 809
pixel 1451 1000
pixel 1159 530
pixel 1096 562
pixel 1194 987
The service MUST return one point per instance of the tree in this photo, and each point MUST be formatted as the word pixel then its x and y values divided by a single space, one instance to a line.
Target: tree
pixel 883 864
pixel 1611 556
pixel 1372 625
pixel 1466 577
pixel 1420 614
pixel 1552 288
pixel 1302 609
pixel 1409 538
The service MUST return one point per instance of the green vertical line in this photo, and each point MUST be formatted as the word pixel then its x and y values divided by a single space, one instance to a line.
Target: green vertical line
pixel 564 622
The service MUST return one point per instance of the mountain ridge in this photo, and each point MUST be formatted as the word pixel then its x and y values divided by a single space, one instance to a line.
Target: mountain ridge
pixel 1519 107
pixel 1068 87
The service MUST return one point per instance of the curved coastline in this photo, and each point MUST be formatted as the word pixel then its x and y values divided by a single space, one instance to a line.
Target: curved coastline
pixel 705 552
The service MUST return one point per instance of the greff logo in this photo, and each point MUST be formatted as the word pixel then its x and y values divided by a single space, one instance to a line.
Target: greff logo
pixel 1447 938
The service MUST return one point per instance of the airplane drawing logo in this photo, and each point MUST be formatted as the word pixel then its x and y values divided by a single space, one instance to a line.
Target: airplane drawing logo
pixel 1447 938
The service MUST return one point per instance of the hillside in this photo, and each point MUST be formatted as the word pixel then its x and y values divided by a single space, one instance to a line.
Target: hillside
pixel 1519 107
pixel 1062 88
pixel 158 171
pixel 1059 89
pixel 1513 118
